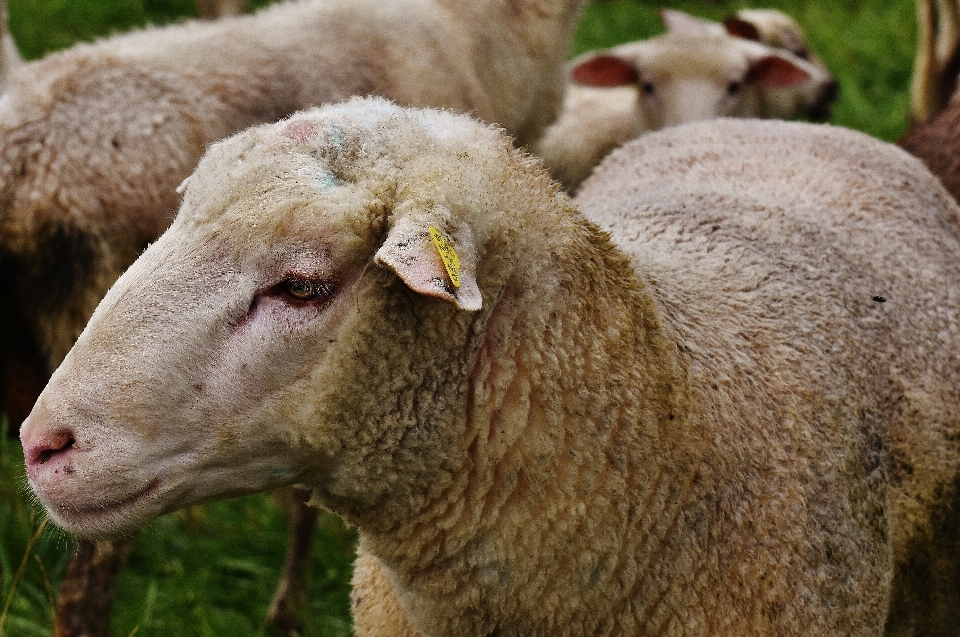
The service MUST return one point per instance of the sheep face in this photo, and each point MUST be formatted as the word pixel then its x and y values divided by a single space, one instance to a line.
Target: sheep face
pixel 684 78
pixel 810 99
pixel 201 369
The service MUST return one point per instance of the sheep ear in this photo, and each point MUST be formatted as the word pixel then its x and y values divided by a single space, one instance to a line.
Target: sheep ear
pixel 740 28
pixel 682 22
pixel 434 256
pixel 604 70
pixel 777 72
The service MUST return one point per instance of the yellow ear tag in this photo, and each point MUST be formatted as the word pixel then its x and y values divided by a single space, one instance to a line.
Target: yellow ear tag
pixel 449 256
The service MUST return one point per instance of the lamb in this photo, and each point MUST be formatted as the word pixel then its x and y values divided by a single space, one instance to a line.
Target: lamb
pixel 732 407
pixel 695 71
pixel 95 140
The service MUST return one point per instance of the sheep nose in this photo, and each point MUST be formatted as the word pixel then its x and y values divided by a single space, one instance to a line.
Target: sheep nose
pixel 48 452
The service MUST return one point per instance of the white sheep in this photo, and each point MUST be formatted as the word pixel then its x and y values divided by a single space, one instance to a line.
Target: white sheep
pixel 812 99
pixel 695 71
pixel 739 416
pixel 94 140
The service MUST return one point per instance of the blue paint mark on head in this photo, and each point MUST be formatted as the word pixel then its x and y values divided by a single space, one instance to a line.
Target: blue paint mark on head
pixel 336 136
pixel 325 179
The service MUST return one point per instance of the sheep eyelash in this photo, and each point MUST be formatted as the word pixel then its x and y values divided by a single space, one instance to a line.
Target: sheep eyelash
pixel 304 290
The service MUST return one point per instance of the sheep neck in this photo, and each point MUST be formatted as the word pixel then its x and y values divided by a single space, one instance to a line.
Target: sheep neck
pixel 576 410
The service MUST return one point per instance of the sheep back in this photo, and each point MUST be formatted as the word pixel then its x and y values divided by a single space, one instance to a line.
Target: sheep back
pixel 821 310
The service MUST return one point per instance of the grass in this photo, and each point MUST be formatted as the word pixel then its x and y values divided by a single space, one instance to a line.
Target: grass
pixel 212 570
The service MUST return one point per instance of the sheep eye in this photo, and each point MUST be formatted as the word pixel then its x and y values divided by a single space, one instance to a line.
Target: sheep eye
pixel 647 87
pixel 733 88
pixel 305 290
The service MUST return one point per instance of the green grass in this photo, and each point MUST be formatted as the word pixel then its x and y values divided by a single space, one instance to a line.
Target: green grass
pixel 212 570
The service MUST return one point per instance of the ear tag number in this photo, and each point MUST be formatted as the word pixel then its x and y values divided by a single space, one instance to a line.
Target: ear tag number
pixel 449 256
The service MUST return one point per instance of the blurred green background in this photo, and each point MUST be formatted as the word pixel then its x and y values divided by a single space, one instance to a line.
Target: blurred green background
pixel 212 570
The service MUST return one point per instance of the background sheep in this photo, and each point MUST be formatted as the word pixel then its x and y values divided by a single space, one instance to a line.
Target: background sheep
pixel 695 71
pixel 94 141
pixel 748 426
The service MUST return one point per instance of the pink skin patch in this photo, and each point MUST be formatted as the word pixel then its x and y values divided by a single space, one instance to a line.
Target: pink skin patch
pixel 300 131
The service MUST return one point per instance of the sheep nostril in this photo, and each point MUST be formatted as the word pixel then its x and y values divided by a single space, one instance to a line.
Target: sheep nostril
pixel 48 447
pixel 46 454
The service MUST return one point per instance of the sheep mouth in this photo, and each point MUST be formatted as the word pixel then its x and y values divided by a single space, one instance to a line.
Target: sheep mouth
pixel 84 520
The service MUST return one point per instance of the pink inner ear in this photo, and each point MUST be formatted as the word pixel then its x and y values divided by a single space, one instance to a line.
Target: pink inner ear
pixel 605 71
pixel 741 28
pixel 777 72
pixel 411 254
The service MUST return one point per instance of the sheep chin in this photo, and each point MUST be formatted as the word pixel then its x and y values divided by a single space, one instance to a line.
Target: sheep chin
pixel 107 520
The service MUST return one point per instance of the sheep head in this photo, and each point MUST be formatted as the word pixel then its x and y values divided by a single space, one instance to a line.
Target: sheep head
pixel 243 350
pixel 692 74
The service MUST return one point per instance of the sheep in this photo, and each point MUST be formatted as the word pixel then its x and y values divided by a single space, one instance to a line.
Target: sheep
pixel 677 77
pixel 595 120
pixel 774 28
pixel 769 26
pixel 94 140
pixel 722 399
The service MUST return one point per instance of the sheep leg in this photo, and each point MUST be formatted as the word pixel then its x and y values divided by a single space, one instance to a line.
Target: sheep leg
pixel 290 598
pixel 923 84
pixel 88 586
pixel 937 63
